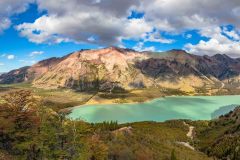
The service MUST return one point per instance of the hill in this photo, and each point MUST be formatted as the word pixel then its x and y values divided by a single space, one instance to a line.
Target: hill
pixel 220 138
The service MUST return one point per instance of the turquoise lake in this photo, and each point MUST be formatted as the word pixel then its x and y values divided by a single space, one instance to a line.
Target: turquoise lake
pixel 161 109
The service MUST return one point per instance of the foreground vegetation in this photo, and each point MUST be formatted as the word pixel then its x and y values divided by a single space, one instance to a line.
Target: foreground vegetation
pixel 221 137
pixel 32 129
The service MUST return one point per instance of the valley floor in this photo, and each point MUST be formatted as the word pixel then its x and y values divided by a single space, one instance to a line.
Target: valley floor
pixel 65 99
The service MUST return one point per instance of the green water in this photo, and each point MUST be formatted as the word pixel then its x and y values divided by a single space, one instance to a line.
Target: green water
pixel 161 109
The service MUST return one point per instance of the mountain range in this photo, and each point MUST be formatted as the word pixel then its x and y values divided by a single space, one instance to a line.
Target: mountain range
pixel 124 69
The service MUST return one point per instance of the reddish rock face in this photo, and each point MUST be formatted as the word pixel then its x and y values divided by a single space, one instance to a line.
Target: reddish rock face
pixel 111 68
pixel 93 69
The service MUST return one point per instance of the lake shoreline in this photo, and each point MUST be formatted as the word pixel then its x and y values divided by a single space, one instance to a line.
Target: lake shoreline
pixel 159 109
pixel 149 100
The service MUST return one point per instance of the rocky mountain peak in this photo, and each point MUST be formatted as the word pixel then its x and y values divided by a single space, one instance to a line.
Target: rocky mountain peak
pixel 178 51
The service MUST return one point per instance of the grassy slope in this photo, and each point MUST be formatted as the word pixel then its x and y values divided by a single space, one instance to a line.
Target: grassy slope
pixel 164 136
pixel 220 137
pixel 64 98
pixel 56 99
pixel 150 140
pixel 59 99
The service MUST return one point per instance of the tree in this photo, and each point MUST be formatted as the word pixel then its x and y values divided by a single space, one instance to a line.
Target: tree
pixel 20 122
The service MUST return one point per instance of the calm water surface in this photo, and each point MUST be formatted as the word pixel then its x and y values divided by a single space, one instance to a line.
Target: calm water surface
pixel 161 109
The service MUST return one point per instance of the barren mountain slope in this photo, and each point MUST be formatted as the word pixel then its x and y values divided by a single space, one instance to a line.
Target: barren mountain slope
pixel 122 69
pixel 95 69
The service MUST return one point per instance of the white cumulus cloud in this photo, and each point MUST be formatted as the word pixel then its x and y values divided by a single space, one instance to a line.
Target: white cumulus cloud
pixel 9 8
pixel 11 56
pixel 217 43
pixel 35 53
pixel 106 22
pixel 140 47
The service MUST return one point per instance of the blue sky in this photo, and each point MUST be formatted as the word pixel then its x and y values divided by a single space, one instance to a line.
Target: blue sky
pixel 13 44
pixel 33 30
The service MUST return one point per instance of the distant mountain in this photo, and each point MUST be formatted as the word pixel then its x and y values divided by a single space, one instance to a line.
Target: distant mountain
pixel 117 68
pixel 29 73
